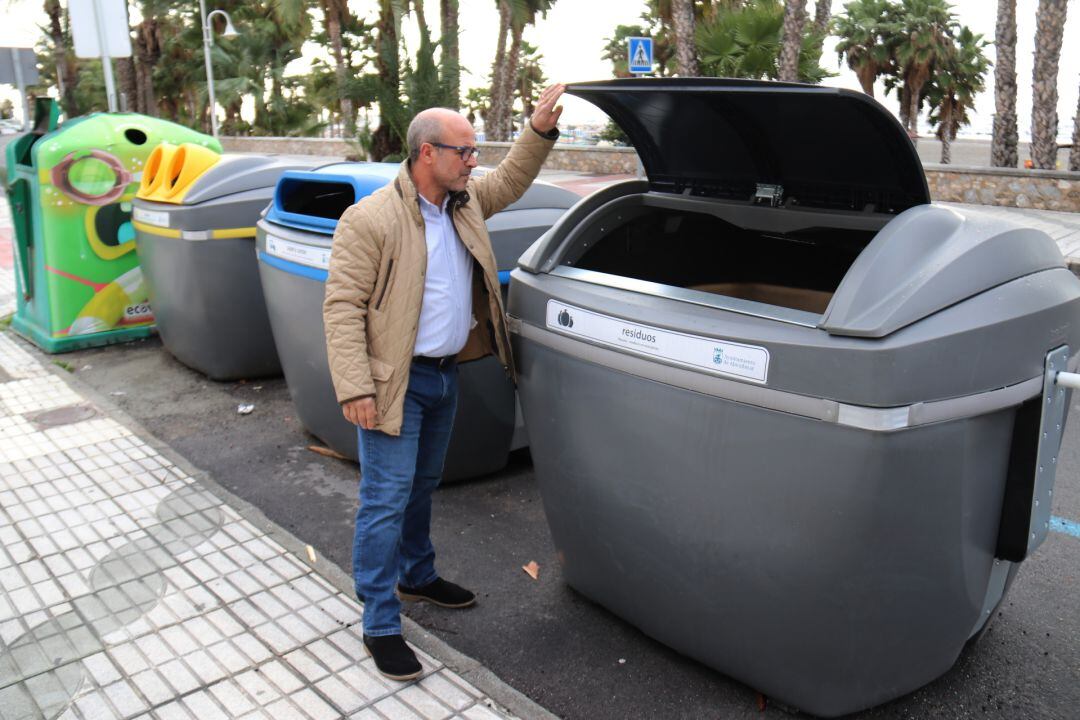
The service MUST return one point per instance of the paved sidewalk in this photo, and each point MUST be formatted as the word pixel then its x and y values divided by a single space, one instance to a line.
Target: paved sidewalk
pixel 129 590
pixel 7 259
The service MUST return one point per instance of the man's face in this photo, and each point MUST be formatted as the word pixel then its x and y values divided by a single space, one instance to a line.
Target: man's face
pixel 451 172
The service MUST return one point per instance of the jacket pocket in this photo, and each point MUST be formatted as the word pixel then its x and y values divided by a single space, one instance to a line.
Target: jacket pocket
pixel 386 284
pixel 380 371
pixel 380 376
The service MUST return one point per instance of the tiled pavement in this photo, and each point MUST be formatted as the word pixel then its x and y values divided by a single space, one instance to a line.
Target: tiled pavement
pixel 7 260
pixel 128 590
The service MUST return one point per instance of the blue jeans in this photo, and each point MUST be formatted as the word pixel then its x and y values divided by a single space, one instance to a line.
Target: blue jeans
pixel 398 475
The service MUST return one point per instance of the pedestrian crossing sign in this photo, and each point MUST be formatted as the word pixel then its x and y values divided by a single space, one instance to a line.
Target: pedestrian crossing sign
pixel 640 55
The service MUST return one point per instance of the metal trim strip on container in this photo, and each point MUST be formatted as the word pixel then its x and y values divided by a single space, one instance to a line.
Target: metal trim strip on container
pixel 693 297
pixel 217 234
pixel 293 268
pixel 872 419
pixel 156 230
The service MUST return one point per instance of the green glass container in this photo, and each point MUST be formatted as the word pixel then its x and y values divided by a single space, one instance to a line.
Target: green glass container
pixel 78 281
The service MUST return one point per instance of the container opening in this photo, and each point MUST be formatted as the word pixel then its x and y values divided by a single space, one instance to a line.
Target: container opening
pixel 317 199
pixel 175 166
pixel 696 251
pixel 135 136
pixel 152 168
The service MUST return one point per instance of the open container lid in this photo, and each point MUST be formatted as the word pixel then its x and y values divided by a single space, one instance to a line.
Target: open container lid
pixel 822 147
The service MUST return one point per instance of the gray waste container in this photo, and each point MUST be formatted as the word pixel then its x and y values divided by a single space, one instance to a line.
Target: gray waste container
pixel 197 250
pixel 294 241
pixel 785 413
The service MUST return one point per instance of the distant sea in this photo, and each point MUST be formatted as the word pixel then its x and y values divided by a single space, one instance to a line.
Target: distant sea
pixel 983 129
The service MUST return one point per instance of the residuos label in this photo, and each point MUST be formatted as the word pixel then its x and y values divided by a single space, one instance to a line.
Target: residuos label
pixel 303 254
pixel 150 217
pixel 722 357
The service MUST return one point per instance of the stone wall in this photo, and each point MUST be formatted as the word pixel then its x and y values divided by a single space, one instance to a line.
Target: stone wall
pixel 1039 189
pixel 322 147
pixel 576 158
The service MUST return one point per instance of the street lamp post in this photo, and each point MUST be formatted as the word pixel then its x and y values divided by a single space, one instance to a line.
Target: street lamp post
pixel 208 40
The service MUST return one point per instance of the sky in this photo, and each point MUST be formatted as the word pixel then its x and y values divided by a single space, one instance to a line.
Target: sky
pixel 572 36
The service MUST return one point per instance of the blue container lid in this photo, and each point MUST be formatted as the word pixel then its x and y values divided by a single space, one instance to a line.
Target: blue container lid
pixel 314 200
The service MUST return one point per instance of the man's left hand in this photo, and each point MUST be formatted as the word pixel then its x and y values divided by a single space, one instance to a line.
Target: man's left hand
pixel 546 115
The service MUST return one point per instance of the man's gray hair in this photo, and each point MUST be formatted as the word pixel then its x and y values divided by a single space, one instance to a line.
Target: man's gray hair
pixel 425 128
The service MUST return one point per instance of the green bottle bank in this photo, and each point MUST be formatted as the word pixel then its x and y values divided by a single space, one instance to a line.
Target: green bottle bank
pixel 78 282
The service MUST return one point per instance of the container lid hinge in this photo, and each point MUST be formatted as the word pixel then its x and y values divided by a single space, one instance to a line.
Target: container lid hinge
pixel 1054 408
pixel 766 194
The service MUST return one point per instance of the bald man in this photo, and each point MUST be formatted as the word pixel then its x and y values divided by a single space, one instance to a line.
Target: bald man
pixel 413 290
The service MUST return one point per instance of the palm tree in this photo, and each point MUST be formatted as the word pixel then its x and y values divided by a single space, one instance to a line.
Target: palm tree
pixel 450 60
pixel 127 86
pixel 745 42
pixel 63 57
pixel 279 29
pixel 927 25
pixel 959 75
pixel 658 14
pixel 497 107
pixel 148 49
pixel 335 15
pixel 1074 153
pixel 477 102
pixel 180 67
pixel 386 140
pixel 742 43
pixel 505 79
pixel 1003 145
pixel 1049 30
pixel 515 16
pixel 616 49
pixel 822 14
pixel 682 13
pixel 791 42
pixel 423 87
pixel 866 40
pixel 530 80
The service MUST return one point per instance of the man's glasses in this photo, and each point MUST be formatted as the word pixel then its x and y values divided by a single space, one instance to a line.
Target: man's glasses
pixel 465 151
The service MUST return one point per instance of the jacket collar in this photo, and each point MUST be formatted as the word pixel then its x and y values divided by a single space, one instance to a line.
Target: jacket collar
pixel 406 189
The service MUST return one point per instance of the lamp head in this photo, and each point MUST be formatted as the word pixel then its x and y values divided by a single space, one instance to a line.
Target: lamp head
pixel 230 31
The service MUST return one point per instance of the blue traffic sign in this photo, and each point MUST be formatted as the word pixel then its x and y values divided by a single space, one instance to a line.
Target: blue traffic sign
pixel 639 54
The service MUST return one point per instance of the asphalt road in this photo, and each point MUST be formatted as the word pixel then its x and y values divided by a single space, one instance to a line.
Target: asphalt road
pixel 558 648
pixel 976 151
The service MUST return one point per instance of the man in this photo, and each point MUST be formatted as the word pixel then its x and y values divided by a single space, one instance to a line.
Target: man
pixel 413 289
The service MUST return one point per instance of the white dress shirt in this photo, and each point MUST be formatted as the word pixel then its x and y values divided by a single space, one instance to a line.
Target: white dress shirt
pixel 446 312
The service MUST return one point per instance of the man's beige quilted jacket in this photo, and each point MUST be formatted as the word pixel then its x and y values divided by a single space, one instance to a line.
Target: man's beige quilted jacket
pixel 376 282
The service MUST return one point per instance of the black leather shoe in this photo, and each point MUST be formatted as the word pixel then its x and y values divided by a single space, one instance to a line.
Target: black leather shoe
pixel 393 658
pixel 440 592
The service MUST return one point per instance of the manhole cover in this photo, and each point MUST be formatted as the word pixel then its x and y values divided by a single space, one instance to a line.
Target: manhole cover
pixel 61 416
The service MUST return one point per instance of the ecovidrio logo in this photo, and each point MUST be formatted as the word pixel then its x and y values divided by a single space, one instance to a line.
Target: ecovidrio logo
pixel 566 319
